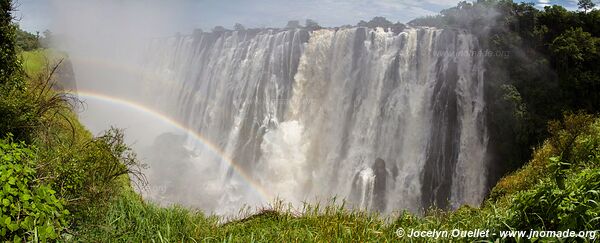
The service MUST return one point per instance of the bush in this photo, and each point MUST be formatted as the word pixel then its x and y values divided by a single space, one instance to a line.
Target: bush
pixel 29 209
pixel 572 143
pixel 526 177
pixel 548 207
pixel 9 63
pixel 567 195
pixel 91 172
pixel 26 41
pixel 27 111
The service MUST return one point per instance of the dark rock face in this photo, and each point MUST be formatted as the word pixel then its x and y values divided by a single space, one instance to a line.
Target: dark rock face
pixel 65 77
pixel 444 143
pixel 369 186
pixel 379 188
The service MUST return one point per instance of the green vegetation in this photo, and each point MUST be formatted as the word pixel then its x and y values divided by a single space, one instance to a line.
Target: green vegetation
pixel 26 41
pixel 30 210
pixel 35 61
pixel 55 175
pixel 564 182
pixel 61 183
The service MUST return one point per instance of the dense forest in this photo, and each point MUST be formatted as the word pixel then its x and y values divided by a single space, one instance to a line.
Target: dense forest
pixel 59 182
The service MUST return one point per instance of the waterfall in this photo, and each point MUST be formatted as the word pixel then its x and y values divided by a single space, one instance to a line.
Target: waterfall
pixel 388 121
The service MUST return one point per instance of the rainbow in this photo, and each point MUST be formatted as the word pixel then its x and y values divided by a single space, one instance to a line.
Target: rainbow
pixel 262 192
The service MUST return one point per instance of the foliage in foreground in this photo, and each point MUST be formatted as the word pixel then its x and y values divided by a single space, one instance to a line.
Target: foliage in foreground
pixel 28 210
pixel 568 196
pixel 53 171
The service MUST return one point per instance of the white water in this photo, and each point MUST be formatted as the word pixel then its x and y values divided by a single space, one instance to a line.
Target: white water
pixel 372 116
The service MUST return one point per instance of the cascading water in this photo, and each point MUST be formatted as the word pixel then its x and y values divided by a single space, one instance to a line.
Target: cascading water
pixel 386 120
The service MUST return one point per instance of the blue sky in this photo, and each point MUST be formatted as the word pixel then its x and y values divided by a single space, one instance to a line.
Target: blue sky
pixel 38 15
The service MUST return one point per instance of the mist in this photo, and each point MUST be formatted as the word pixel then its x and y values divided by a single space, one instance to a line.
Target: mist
pixel 105 41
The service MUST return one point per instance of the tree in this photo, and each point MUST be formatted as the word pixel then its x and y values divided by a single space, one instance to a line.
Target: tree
pixel 376 22
pixel 218 29
pixel 26 41
pixel 47 39
pixel 380 22
pixel 293 24
pixel 573 47
pixel 197 32
pixel 362 23
pixel 239 27
pixel 311 24
pixel 586 5
pixel 9 64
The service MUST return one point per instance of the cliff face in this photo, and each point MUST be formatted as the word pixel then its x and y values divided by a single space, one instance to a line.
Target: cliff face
pixel 65 77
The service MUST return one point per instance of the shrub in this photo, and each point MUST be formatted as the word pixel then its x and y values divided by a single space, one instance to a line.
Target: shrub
pixel 568 196
pixel 27 111
pixel 92 172
pixel 526 177
pixel 26 41
pixel 572 141
pixel 10 68
pixel 549 207
pixel 28 208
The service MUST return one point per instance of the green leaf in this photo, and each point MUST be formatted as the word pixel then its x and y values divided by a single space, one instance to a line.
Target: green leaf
pixel 17 239
pixel 25 197
pixel 7 221
pixel 13 226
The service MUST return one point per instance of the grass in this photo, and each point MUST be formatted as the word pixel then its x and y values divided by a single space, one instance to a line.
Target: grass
pixel 34 62
pixel 130 219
